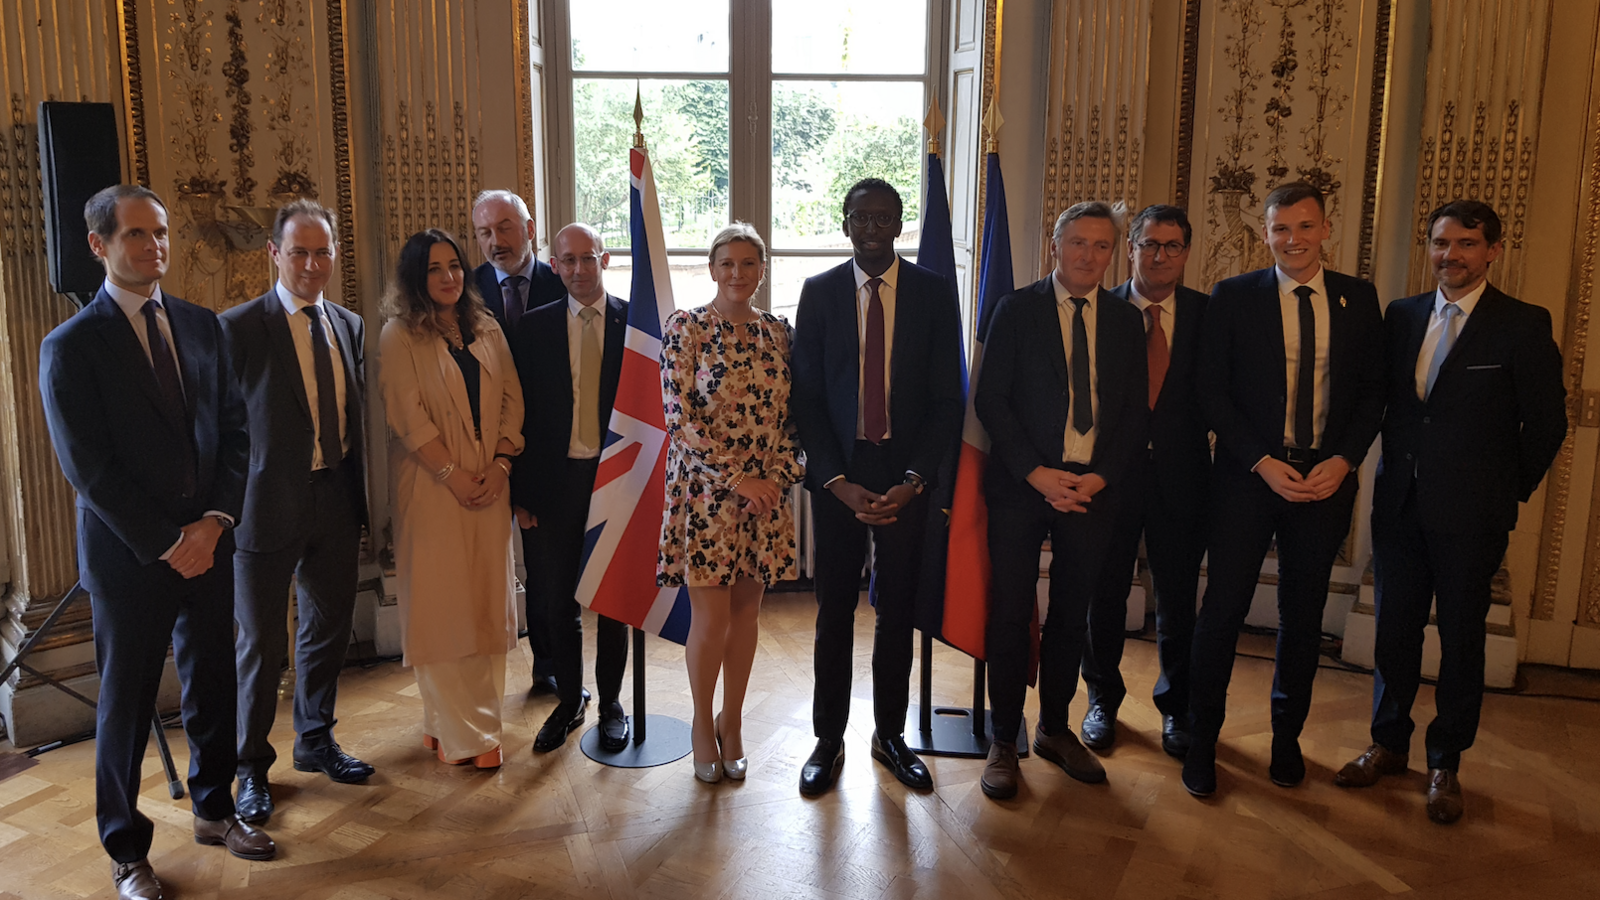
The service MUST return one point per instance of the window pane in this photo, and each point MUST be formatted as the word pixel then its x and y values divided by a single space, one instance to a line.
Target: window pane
pixel 826 137
pixel 691 279
pixel 822 36
pixel 686 129
pixel 650 36
pixel 789 273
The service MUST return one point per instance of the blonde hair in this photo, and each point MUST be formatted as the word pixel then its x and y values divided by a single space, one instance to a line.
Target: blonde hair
pixel 735 232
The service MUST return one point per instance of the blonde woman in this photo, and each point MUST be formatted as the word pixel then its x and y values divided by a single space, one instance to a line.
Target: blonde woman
pixel 727 531
pixel 454 406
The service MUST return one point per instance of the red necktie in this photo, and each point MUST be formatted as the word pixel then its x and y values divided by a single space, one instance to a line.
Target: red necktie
pixel 874 406
pixel 1156 352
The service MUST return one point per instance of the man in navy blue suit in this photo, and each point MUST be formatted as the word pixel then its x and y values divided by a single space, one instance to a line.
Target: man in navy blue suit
pixel 1167 489
pixel 149 428
pixel 1477 412
pixel 1064 396
pixel 512 282
pixel 1291 380
pixel 877 400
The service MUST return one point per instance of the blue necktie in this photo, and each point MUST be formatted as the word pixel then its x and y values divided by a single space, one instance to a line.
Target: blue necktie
pixel 1451 313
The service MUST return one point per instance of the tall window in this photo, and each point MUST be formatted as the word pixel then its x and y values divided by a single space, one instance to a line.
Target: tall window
pixel 843 83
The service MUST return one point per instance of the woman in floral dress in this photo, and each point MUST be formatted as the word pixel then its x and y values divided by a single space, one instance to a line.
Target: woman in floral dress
pixel 727 531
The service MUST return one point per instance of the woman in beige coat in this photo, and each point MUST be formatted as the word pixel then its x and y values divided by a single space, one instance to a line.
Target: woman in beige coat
pixel 454 406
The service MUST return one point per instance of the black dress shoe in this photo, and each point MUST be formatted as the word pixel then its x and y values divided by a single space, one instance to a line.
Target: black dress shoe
pixel 333 762
pixel 1288 767
pixel 1099 729
pixel 902 761
pixel 613 727
pixel 542 684
pixel 1175 736
pixel 1200 769
pixel 822 769
pixel 255 801
pixel 565 720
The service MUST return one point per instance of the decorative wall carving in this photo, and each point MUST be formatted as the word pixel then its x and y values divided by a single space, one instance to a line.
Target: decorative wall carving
pixel 1287 94
pixel 1576 349
pixel 1186 95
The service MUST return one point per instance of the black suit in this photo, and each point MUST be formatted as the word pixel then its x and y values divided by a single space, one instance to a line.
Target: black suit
pixel 1244 392
pixel 1454 467
pixel 298 524
pixel 1023 399
pixel 143 469
pixel 556 490
pixel 1164 501
pixel 544 287
pixel 925 408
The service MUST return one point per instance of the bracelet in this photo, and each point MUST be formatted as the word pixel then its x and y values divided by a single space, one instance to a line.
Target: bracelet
pixel 736 482
pixel 504 464
pixel 444 473
pixel 505 456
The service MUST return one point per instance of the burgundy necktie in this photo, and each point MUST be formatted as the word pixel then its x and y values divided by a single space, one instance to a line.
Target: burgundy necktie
pixel 1156 352
pixel 874 405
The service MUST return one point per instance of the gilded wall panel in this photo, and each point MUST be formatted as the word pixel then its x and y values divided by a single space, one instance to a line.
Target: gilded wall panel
pixel 1285 90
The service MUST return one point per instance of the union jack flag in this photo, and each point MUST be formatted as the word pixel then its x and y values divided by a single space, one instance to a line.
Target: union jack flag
pixel 619 550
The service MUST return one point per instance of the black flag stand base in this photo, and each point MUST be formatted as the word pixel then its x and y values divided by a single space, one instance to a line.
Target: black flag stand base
pixel 669 738
pixel 960 731
pixel 174 784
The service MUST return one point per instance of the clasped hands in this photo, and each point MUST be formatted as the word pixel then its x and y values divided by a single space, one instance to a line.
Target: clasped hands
pixel 1318 484
pixel 196 550
pixel 475 491
pixel 1066 491
pixel 873 509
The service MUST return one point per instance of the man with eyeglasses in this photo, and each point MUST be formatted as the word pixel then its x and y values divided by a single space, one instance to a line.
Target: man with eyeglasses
pixel 877 399
pixel 569 358
pixel 1164 496
pixel 512 281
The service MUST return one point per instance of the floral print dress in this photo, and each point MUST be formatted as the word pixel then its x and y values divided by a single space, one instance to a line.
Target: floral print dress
pixel 725 389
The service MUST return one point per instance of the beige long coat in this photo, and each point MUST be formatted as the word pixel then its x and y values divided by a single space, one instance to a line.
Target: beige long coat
pixel 454 565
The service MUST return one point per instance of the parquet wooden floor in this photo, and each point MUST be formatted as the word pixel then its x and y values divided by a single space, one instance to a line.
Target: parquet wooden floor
pixel 561 826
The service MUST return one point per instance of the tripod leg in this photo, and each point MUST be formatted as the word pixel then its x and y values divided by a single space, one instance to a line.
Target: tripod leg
pixel 925 714
pixel 638 688
pixel 174 786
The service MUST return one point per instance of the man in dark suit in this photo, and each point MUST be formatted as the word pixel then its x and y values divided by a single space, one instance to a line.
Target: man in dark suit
pixel 1164 500
pixel 299 361
pixel 1291 381
pixel 512 281
pixel 877 401
pixel 150 431
pixel 569 357
pixel 1064 397
pixel 1477 412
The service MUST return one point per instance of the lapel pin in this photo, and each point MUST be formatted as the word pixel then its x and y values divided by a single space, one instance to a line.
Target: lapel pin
pixel 1343 302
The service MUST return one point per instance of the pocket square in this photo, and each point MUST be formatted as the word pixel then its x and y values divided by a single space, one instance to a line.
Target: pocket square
pixel 1483 367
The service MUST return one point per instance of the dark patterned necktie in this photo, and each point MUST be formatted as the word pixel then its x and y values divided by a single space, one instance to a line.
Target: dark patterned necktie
pixel 511 288
pixel 1305 382
pixel 327 399
pixel 874 407
pixel 165 364
pixel 1082 405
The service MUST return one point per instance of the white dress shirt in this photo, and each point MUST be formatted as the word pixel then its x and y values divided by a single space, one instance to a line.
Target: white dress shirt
pixel 300 330
pixel 1435 333
pixel 1289 303
pixel 886 296
pixel 576 448
pixel 1079 448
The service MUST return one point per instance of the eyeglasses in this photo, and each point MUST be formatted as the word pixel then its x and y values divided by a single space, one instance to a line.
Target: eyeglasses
pixel 586 261
pixel 1170 248
pixel 882 220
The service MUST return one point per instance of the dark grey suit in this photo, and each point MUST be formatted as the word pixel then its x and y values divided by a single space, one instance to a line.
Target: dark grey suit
pixel 298 523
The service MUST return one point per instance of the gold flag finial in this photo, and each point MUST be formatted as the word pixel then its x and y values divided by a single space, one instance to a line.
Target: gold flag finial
pixel 992 120
pixel 638 116
pixel 934 123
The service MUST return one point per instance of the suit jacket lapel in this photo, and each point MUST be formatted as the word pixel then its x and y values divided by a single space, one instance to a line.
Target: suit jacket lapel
pixel 280 343
pixel 1049 322
pixel 1478 326
pixel 847 313
pixel 188 363
pixel 905 318
pixel 341 331
pixel 1270 313
pixel 615 336
pixel 118 334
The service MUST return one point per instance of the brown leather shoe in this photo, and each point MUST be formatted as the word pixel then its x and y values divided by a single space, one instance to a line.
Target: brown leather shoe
pixel 1444 796
pixel 135 880
pixel 1374 763
pixel 241 838
pixel 1000 773
pixel 1066 751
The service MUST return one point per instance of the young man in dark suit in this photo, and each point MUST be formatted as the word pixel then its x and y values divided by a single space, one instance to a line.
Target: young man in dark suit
pixel 1291 381
pixel 1064 396
pixel 877 400
pixel 150 431
pixel 1166 491
pixel 1477 412
pixel 300 364
pixel 569 357
pixel 513 281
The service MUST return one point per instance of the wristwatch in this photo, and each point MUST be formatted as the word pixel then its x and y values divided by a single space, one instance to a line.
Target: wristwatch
pixel 917 482
pixel 222 521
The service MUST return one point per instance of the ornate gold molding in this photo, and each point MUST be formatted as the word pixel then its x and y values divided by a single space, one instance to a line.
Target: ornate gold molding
pixel 525 171
pixel 1186 95
pixel 339 100
pixel 133 88
pixel 1382 59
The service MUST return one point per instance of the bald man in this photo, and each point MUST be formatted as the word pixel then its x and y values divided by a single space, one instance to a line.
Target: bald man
pixel 569 356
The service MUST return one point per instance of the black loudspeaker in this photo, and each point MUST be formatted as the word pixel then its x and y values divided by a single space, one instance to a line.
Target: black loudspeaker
pixel 78 156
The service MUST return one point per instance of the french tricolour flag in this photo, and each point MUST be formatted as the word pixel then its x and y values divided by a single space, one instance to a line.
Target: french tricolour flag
pixel 619 553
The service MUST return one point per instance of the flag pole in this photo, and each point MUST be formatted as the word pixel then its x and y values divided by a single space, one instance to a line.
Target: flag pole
pixel 934 123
